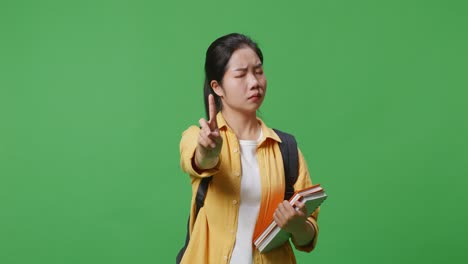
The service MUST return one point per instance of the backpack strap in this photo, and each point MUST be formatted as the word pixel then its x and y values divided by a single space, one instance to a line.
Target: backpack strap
pixel 290 155
pixel 199 202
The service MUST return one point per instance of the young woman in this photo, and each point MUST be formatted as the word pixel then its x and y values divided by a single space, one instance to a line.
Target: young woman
pixel 242 155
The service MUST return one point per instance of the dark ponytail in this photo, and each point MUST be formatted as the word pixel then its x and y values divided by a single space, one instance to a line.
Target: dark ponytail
pixel 217 57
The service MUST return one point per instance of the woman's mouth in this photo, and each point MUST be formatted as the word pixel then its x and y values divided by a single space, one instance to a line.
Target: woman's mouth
pixel 255 97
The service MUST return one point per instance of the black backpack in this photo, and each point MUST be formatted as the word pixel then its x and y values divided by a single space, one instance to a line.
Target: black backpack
pixel 290 157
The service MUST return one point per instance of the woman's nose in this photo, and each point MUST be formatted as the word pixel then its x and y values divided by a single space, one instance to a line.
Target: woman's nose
pixel 253 82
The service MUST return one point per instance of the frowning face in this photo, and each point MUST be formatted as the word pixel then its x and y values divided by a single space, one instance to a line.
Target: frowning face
pixel 244 84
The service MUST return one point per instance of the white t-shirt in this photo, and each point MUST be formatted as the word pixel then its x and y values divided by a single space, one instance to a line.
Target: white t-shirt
pixel 249 206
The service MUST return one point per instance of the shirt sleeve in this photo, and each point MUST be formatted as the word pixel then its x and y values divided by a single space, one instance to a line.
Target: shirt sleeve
pixel 304 181
pixel 188 144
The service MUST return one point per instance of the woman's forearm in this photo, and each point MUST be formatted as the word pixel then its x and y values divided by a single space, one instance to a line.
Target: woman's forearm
pixel 203 161
pixel 304 236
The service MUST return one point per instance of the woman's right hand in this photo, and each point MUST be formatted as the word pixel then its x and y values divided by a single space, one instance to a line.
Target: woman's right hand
pixel 209 139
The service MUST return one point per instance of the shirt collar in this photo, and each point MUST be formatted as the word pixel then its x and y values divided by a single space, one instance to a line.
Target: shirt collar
pixel 267 132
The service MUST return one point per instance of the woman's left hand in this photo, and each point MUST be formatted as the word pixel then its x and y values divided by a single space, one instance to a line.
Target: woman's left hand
pixel 291 219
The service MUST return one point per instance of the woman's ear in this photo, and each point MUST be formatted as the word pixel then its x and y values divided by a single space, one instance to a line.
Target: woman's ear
pixel 217 88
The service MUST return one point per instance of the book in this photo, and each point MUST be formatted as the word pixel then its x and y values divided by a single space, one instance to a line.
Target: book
pixel 273 236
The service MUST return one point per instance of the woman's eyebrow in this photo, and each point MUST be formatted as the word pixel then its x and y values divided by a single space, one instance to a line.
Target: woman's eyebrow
pixel 258 65
pixel 245 68
pixel 240 69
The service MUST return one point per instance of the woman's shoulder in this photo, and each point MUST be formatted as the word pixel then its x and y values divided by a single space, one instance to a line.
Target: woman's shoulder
pixel 191 130
pixel 189 138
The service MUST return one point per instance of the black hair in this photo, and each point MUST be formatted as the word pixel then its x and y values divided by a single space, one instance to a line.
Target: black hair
pixel 217 57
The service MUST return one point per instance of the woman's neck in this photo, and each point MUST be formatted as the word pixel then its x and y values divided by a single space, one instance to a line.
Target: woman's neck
pixel 245 126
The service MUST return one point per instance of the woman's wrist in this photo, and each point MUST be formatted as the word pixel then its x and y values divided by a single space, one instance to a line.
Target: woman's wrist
pixel 204 163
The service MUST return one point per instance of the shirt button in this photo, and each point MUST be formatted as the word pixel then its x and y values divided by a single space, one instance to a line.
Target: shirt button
pixel 237 173
pixel 234 202
pixel 236 150
pixel 225 257
pixel 232 231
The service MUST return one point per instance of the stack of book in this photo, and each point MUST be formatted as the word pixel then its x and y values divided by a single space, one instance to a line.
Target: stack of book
pixel 274 236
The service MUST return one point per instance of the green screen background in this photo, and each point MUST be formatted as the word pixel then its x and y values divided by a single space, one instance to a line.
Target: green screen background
pixel 94 96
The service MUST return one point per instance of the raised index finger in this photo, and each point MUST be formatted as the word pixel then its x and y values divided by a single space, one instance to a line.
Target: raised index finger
pixel 212 109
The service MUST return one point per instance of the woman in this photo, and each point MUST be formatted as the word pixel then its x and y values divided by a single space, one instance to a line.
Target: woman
pixel 242 155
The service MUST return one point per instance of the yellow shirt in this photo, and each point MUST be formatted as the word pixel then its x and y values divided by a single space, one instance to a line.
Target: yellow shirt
pixel 214 232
